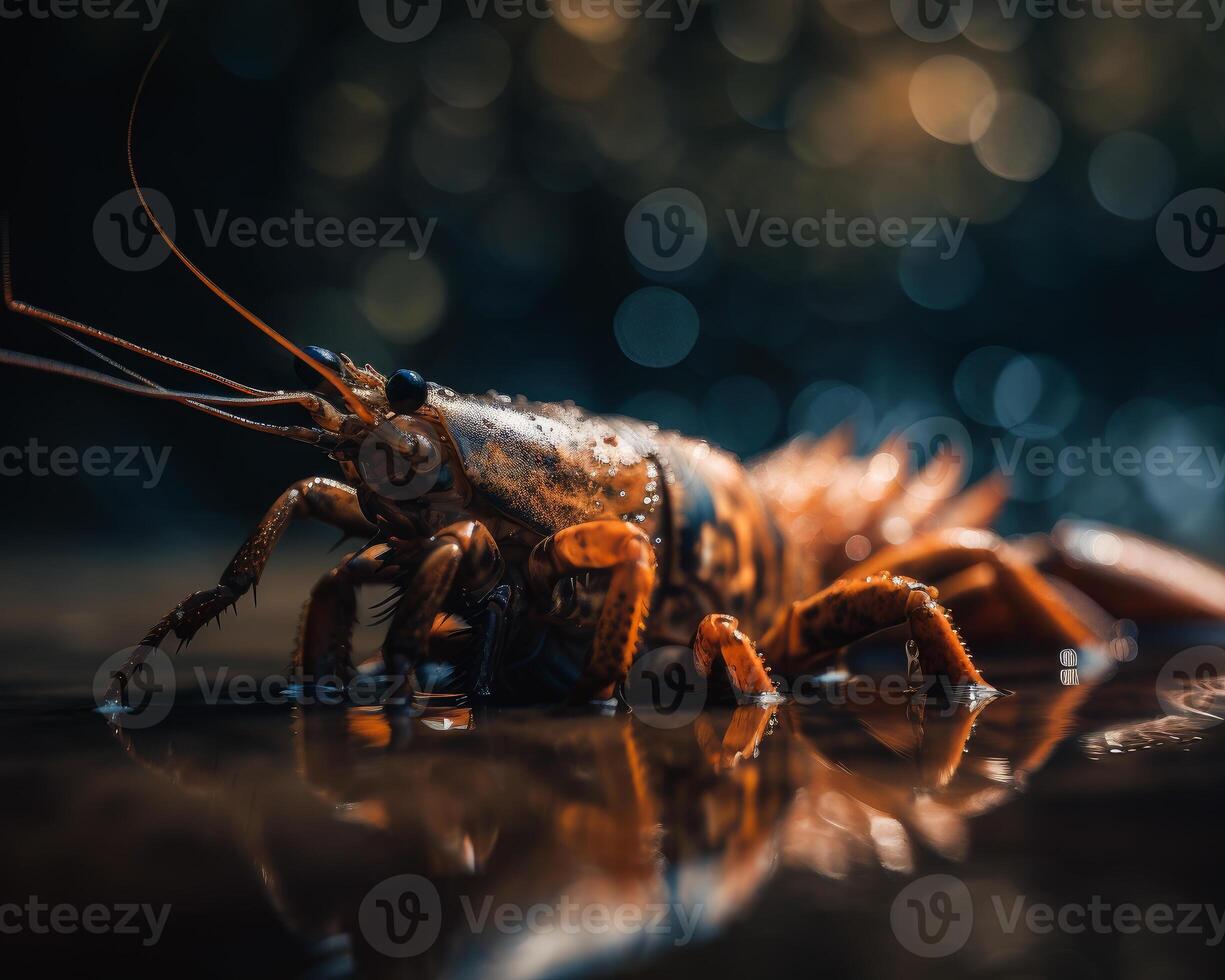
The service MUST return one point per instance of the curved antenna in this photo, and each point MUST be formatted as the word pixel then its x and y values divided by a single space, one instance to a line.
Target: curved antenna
pixel 191 399
pixel 304 398
pixel 22 308
pixel 355 404
pixel 297 433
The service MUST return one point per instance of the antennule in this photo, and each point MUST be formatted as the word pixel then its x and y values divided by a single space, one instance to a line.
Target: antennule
pixel 192 399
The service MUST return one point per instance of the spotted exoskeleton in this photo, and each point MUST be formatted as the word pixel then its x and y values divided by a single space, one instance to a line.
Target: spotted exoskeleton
pixel 533 549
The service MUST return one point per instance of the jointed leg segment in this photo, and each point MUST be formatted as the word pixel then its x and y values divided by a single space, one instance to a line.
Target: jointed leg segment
pixel 461 555
pixel 720 641
pixel 325 500
pixel 624 550
pixel 850 609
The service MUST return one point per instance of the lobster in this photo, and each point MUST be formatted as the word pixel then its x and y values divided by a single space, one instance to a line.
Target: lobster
pixel 533 548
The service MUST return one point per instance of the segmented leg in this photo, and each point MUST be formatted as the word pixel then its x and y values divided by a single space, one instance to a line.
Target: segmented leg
pixel 850 609
pixel 463 555
pixel 1018 595
pixel 745 730
pixel 318 497
pixel 627 552
pixel 325 634
pixel 1132 575
pixel 719 641
pixel 323 499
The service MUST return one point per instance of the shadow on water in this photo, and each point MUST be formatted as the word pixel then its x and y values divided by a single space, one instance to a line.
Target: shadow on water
pixel 544 843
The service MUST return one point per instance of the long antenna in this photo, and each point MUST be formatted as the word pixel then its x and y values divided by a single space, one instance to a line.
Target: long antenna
pixel 57 320
pixel 192 399
pixel 351 399
pixel 298 433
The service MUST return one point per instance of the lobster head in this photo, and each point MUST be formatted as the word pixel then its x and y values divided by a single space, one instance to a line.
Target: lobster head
pixel 400 447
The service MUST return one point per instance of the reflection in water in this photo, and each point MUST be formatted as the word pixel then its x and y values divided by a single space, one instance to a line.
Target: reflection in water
pixel 521 808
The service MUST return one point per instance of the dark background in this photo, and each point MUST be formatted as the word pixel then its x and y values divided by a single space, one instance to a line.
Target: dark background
pixel 252 108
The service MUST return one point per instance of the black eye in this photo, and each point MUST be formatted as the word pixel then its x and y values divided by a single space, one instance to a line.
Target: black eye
pixel 406 391
pixel 308 375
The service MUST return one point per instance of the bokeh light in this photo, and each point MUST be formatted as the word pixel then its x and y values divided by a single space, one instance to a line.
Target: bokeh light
pixel 947 92
pixel 1050 146
pixel 1035 396
pixel 467 65
pixel 758 31
pixel 1132 175
pixel 656 327
pixel 823 405
pixel 456 151
pixel 975 380
pixel 1017 137
pixel 404 298
pixel 344 130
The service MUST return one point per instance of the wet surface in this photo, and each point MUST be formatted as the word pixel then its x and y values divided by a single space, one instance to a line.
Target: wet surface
pixel 554 843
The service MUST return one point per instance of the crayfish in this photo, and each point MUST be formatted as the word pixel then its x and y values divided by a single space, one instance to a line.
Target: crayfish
pixel 533 549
